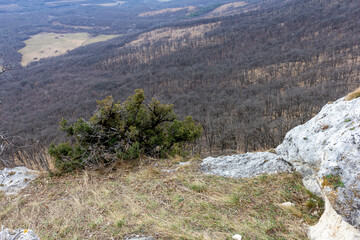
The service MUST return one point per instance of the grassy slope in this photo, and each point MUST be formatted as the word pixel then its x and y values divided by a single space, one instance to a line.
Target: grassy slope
pixel 184 204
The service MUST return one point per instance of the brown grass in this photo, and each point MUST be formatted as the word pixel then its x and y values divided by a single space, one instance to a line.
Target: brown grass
pixel 184 204
pixel 353 95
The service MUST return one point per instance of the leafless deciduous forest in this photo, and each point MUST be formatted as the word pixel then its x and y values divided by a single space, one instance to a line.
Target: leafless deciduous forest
pixel 247 78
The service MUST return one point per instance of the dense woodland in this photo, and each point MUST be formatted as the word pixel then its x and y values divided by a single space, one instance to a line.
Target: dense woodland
pixel 247 81
pixel 24 18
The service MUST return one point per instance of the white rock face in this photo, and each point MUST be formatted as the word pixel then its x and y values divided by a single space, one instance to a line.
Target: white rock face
pixel 246 165
pixel 142 238
pixel 332 227
pixel 325 147
pixel 329 145
pixel 12 180
pixel 19 234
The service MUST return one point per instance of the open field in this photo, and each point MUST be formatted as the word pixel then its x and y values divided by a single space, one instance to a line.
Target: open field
pixel 167 200
pixel 227 8
pixel 44 45
pixel 110 4
pixel 8 6
pixel 171 34
pixel 62 2
pixel 166 10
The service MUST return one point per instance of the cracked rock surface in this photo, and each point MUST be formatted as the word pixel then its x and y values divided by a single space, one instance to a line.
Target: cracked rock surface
pixel 246 165
pixel 19 234
pixel 325 150
pixel 12 180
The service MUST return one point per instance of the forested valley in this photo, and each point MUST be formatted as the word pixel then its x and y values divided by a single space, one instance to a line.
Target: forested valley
pixel 248 78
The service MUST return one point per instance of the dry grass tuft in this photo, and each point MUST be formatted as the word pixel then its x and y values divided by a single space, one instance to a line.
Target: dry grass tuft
pixel 353 95
pixel 181 204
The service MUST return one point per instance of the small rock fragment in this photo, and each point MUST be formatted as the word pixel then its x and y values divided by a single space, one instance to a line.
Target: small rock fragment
pixel 237 237
pixel 287 205
pixel 143 238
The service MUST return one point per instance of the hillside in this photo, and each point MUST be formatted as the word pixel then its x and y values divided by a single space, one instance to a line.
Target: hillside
pixel 269 153
pixel 260 195
pixel 25 18
pixel 247 77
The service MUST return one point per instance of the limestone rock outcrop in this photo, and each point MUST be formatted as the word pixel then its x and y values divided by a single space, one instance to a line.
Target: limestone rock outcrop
pixel 19 234
pixel 246 165
pixel 12 180
pixel 331 226
pixel 326 151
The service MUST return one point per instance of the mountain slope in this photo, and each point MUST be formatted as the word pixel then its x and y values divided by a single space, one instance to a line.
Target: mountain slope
pixel 248 81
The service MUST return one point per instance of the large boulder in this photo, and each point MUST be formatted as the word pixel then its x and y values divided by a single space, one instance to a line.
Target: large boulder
pixel 325 150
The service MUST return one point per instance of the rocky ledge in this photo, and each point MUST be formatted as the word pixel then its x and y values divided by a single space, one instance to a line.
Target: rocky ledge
pixel 326 151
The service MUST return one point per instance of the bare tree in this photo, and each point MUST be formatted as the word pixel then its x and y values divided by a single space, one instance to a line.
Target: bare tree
pixel 16 150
